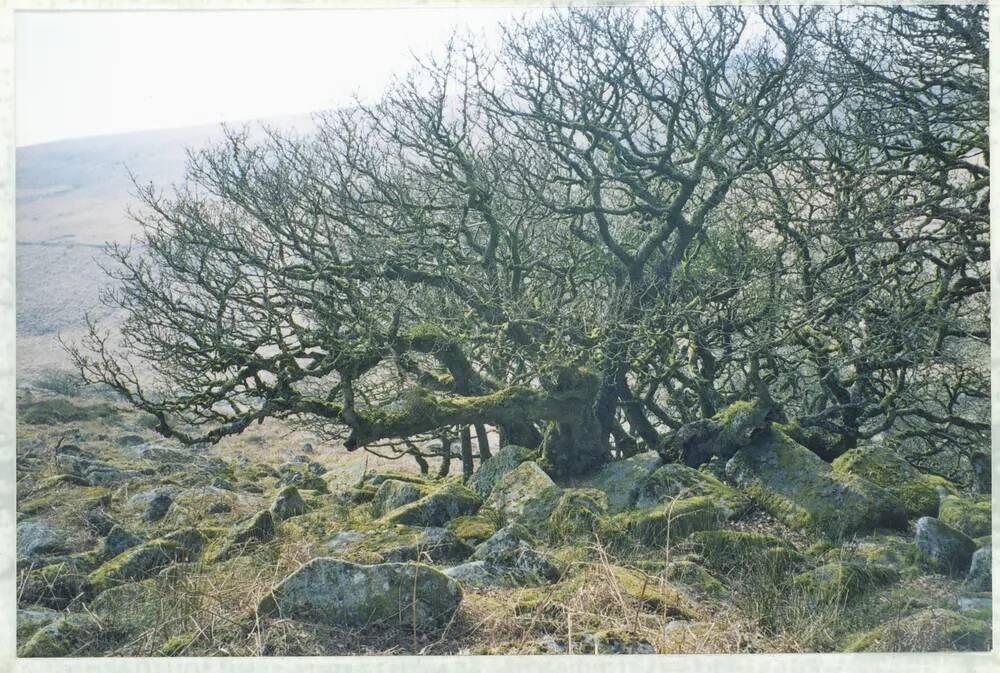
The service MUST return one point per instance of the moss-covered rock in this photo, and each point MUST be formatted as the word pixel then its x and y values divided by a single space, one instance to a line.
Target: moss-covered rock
pixel 443 504
pixel 137 563
pixel 842 581
pixel 577 514
pixel 726 551
pixel 56 585
pixel 254 530
pixel 943 548
pixel 675 480
pixel 883 467
pixel 287 504
pixel 665 525
pixel 64 637
pixel 652 592
pixel 525 494
pixel 31 619
pixel 473 529
pixel 503 461
pixel 620 479
pixel 338 593
pixel 891 550
pixel 929 630
pixel 175 646
pixel 797 487
pixel 696 578
pixel 971 515
pixel 394 493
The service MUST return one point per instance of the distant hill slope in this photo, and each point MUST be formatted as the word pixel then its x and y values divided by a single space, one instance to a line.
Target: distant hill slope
pixel 71 199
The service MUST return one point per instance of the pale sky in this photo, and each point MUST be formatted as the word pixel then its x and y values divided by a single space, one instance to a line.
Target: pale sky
pixel 91 73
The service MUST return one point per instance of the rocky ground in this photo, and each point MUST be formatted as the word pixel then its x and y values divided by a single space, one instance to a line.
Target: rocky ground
pixel 129 545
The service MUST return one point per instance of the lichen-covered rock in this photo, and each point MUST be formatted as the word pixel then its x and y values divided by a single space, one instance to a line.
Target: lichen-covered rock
pixel 844 581
pixel 664 525
pixel 943 548
pixel 117 541
pixel 502 462
pixel 288 503
pixel 38 538
pixel 525 494
pixel 675 480
pixel 393 493
pixel 980 576
pixel 153 504
pixel 510 549
pixel 971 515
pixel 620 479
pixel 191 540
pixel 338 593
pixel 881 466
pixel 34 618
pixel 929 630
pixel 61 638
pixel 256 529
pixel 727 551
pixel 438 508
pixel 577 514
pixel 797 487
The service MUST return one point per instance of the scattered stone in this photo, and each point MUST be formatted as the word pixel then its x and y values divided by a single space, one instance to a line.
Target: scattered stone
pixel 510 550
pixel 38 538
pixel 137 563
pixel 473 529
pixel 525 494
pixel 258 528
pixel 288 503
pixel 980 576
pixel 94 471
pixel 223 484
pixel 338 593
pixel 126 441
pixel 158 506
pixel 393 493
pixel 979 603
pixel 943 548
pixel 250 487
pixel 158 453
pixel 798 488
pixel 98 521
pixel 620 480
pixel 434 545
pixel 441 506
pixel 61 638
pixel 32 619
pixel 577 514
pixel 55 585
pixel 502 462
pixel 117 541
pixel 220 507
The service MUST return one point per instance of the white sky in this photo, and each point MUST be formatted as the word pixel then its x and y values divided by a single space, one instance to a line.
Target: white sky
pixel 90 73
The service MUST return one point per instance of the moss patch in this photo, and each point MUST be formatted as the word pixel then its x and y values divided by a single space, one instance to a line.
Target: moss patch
pixel 970 515
pixel 880 465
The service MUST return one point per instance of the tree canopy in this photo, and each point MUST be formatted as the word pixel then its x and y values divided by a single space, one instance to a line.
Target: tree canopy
pixel 616 223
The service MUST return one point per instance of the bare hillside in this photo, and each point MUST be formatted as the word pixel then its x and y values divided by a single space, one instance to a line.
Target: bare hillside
pixel 71 199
